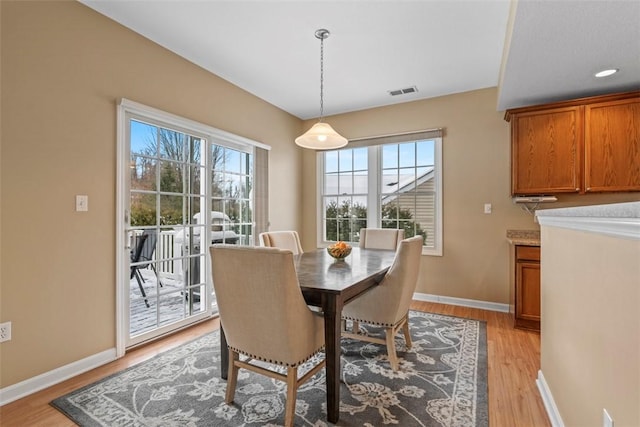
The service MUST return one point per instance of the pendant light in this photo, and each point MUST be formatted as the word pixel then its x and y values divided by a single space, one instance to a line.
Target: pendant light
pixel 321 136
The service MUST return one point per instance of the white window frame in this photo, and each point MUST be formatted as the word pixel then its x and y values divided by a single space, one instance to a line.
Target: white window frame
pixel 373 200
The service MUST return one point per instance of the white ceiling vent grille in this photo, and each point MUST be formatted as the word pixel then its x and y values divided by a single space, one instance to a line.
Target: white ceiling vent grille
pixel 404 91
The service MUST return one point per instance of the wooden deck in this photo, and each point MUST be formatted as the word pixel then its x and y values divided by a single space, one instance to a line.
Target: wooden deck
pixel 174 306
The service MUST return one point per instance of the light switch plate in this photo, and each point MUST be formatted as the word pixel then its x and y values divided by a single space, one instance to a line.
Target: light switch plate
pixel 487 208
pixel 82 203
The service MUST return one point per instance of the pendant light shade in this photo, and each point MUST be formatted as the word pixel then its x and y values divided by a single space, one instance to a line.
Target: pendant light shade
pixel 321 136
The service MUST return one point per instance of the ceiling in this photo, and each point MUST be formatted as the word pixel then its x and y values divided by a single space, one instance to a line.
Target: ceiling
pixel 535 51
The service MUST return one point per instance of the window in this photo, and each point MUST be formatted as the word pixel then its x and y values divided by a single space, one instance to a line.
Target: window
pixel 345 193
pixel 389 182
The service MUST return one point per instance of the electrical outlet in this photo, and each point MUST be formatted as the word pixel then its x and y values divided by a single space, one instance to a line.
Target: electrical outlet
pixel 607 421
pixel 5 331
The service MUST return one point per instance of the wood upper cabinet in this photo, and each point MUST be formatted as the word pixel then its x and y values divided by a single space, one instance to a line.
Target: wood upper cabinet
pixel 585 145
pixel 546 151
pixel 612 146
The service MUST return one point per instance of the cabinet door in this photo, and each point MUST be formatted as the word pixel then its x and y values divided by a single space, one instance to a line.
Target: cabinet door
pixel 546 151
pixel 612 146
pixel 528 292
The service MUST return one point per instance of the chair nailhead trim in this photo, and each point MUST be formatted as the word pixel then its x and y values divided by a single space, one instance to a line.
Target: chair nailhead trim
pixel 388 325
pixel 276 362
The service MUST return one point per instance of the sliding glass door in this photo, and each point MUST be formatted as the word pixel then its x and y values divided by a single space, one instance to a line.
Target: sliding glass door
pixel 183 190
pixel 166 194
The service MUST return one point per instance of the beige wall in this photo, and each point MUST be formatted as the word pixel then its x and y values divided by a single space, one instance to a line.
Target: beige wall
pixel 590 326
pixel 63 68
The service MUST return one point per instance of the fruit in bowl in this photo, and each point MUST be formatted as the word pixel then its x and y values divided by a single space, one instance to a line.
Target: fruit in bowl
pixel 339 250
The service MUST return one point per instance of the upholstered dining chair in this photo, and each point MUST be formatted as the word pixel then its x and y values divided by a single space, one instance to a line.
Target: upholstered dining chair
pixel 387 304
pixel 264 316
pixel 283 240
pixel 380 238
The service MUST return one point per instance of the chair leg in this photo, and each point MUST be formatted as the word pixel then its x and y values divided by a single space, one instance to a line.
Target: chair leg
pixel 355 328
pixel 391 348
pixel 139 279
pixel 157 275
pixel 292 392
pixel 232 378
pixel 407 334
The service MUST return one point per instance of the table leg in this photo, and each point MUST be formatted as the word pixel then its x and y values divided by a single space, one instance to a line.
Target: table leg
pixel 332 306
pixel 224 355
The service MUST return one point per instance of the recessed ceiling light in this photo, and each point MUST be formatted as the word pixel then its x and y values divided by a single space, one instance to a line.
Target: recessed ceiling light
pixel 605 73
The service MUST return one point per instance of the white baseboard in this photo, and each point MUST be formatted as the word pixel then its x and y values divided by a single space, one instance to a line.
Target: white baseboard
pixel 549 404
pixel 484 305
pixel 37 383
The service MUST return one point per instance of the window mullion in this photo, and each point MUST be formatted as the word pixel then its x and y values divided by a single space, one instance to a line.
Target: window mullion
pixel 206 160
pixel 374 184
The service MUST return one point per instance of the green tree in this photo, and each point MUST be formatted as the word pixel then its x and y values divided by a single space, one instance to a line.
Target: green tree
pixel 395 217
pixel 180 172
pixel 344 221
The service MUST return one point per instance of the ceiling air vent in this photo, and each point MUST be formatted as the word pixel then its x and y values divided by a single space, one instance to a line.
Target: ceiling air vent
pixel 404 91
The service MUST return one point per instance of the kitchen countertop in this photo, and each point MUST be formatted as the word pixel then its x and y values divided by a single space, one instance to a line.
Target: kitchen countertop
pixel 524 237
pixel 615 210
pixel 620 220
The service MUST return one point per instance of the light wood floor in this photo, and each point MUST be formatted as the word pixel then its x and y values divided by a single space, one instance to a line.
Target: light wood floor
pixel 513 355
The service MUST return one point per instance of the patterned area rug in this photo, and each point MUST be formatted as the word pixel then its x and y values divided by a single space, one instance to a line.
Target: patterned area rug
pixel 442 381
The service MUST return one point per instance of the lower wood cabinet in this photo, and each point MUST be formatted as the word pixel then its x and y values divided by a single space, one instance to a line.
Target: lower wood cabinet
pixel 526 290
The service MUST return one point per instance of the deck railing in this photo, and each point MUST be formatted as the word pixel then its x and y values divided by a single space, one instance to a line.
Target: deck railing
pixel 169 253
pixel 165 251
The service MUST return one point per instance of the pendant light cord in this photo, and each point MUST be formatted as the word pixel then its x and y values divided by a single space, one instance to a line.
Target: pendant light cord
pixel 321 78
pixel 322 34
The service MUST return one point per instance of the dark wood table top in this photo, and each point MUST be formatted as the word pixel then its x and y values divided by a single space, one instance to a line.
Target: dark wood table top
pixel 319 273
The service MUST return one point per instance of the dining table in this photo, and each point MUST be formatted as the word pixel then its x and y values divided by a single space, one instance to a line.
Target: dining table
pixel 329 284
